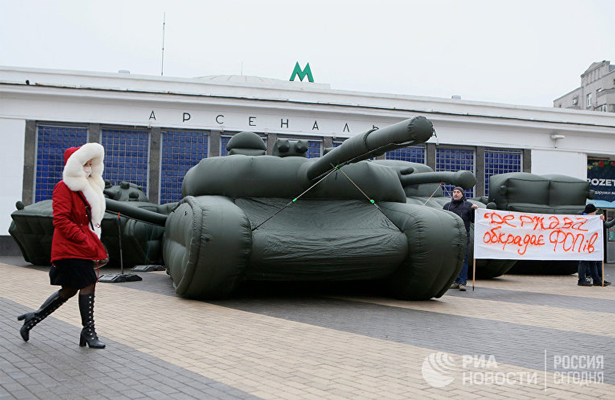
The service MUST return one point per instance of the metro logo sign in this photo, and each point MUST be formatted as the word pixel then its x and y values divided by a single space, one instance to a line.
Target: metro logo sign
pixel 302 73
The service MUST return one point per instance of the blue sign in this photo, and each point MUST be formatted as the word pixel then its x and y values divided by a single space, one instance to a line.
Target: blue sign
pixel 601 178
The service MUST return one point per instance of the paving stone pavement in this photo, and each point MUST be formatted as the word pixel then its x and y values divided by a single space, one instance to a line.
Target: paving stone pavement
pixel 512 337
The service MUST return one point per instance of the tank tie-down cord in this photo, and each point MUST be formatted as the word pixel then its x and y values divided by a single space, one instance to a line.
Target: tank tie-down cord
pixel 296 198
pixel 434 192
pixel 370 200
pixel 333 169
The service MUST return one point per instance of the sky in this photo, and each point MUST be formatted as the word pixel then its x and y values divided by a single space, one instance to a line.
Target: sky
pixel 514 52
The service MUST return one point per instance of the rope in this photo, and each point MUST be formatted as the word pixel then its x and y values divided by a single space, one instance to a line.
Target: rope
pixel 371 200
pixel 338 168
pixel 434 192
pixel 296 198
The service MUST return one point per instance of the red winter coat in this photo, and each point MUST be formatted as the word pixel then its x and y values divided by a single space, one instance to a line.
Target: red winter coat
pixel 72 236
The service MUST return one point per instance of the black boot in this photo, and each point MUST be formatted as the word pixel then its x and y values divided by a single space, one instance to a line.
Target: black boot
pixel 88 333
pixel 32 318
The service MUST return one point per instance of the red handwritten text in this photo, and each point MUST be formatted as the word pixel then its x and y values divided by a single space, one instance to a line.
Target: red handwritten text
pixel 570 242
pixel 496 236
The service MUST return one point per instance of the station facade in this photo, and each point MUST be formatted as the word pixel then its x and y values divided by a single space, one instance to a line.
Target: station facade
pixel 155 128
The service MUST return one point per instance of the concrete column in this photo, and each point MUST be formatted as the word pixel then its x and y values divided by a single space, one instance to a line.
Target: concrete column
pixel 271 139
pixel 155 147
pixel 480 172
pixel 527 160
pixel 29 165
pixel 214 143
pixel 327 141
pixel 430 157
pixel 94 133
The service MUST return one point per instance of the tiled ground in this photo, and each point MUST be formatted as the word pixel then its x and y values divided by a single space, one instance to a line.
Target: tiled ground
pixel 513 337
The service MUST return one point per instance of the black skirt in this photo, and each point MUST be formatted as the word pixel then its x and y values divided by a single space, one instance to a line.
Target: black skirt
pixel 73 273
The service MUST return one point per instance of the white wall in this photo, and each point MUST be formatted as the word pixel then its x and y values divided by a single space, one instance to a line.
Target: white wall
pixel 11 173
pixel 285 108
pixel 558 162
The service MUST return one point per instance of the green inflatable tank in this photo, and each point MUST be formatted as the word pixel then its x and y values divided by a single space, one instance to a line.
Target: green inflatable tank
pixel 255 217
pixel 541 194
pixel 423 186
pixel 32 229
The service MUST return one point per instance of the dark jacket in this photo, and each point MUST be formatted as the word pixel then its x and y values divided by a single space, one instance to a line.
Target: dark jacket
pixel 607 224
pixel 463 208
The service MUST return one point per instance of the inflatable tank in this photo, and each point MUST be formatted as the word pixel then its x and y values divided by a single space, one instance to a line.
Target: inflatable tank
pixel 542 194
pixel 423 186
pixel 32 229
pixel 254 217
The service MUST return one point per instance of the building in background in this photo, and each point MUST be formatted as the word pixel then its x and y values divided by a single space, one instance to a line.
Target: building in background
pixel 155 128
pixel 597 90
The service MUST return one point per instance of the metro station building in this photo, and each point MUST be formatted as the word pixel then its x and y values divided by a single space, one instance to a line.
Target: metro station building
pixel 154 128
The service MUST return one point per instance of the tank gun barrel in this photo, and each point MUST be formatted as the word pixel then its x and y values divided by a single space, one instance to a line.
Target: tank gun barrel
pixel 131 211
pixel 465 179
pixel 373 143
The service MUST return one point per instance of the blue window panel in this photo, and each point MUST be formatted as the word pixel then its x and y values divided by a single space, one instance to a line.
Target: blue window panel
pixel 52 141
pixel 314 149
pixel 413 154
pixel 454 160
pixel 126 156
pixel 181 150
pixel 337 143
pixel 224 142
pixel 501 161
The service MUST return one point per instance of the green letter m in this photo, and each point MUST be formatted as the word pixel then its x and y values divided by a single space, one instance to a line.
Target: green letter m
pixel 297 71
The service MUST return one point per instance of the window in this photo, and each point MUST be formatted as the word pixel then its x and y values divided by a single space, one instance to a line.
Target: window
pixel 588 104
pixel 126 156
pixel 51 142
pixel 314 149
pixel 454 160
pixel 223 142
pixel 413 154
pixel 181 150
pixel 501 161
pixel 575 101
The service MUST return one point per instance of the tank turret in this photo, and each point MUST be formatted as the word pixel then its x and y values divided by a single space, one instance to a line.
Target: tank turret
pixel 286 177
pixel 420 180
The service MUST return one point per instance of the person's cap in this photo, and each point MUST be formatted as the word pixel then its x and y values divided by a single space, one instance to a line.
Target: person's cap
pixel 590 208
pixel 458 188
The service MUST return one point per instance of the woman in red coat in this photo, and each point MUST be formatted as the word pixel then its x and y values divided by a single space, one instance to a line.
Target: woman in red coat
pixel 78 210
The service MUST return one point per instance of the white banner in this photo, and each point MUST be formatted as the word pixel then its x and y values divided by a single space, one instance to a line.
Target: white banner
pixel 524 236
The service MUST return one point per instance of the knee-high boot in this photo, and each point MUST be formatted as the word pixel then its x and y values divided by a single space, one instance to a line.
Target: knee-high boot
pixel 32 318
pixel 88 333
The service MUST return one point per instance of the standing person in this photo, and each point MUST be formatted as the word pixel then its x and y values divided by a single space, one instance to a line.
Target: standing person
pixel 592 266
pixel 78 210
pixel 464 209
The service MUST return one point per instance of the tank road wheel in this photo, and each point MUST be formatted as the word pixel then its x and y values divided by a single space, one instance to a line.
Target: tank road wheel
pixel 436 249
pixel 208 240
